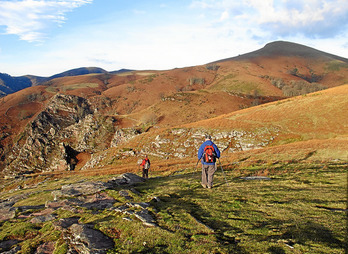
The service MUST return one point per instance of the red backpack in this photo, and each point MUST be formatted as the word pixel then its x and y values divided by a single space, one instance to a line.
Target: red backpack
pixel 209 154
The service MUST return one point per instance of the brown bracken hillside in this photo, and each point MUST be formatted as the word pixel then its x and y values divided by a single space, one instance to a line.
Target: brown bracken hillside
pixel 281 87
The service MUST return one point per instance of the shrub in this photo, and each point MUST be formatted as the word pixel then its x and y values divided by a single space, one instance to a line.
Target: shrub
pixel 195 80
pixel 212 67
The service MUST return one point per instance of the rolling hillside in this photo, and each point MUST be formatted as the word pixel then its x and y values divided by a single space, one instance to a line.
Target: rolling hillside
pixel 9 84
pixel 304 127
pixel 250 101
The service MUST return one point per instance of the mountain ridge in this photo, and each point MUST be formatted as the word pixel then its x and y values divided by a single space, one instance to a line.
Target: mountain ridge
pixel 10 84
pixel 285 48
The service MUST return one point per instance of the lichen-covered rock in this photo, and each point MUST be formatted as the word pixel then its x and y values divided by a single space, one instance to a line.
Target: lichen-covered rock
pixel 122 136
pixel 78 189
pixel 87 240
pixel 7 213
pixel 43 218
pixel 126 179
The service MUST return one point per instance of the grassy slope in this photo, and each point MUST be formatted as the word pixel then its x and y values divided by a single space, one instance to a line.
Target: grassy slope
pixel 311 127
pixel 314 116
pixel 299 211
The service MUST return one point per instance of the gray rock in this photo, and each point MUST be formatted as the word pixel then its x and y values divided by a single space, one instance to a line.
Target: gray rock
pixel 77 189
pixel 142 205
pixel 129 212
pixel 145 216
pixel 87 240
pixel 64 204
pixel 31 207
pixel 6 246
pixel 99 204
pixel 42 218
pixel 155 199
pixel 6 204
pixel 45 248
pixel 125 194
pixel 66 222
pixel 13 250
pixel 7 213
pixel 120 209
pixel 126 179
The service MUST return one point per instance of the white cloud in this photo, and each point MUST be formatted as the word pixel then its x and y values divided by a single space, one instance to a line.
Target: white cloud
pixel 29 19
pixel 311 18
pixel 224 16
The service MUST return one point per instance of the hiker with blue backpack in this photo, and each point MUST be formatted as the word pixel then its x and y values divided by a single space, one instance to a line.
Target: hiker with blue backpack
pixel 145 166
pixel 208 153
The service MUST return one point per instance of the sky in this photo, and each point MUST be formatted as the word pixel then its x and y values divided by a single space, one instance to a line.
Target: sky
pixel 46 37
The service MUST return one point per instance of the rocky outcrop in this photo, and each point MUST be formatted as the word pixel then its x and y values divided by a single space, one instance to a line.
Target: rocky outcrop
pixel 41 140
pixel 67 126
pixel 123 135
pixel 184 142
pixel 80 198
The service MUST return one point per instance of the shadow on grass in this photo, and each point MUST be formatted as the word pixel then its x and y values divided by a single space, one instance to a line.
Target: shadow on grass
pixel 276 250
pixel 311 231
pixel 173 203
pixel 187 194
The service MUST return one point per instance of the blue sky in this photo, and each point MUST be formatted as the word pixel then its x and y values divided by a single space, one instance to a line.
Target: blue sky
pixel 45 37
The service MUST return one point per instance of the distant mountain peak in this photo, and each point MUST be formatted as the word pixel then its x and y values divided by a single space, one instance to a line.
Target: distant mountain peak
pixel 79 71
pixel 286 48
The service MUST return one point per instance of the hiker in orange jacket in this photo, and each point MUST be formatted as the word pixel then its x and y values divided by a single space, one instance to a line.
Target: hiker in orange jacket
pixel 145 166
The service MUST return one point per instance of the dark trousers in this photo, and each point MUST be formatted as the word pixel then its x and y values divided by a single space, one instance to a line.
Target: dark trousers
pixel 145 173
pixel 208 174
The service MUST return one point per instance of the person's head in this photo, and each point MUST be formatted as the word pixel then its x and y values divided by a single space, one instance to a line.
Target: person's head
pixel 145 155
pixel 207 137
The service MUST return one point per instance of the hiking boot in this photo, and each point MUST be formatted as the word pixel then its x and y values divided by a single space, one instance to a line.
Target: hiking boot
pixel 203 185
pixel 210 187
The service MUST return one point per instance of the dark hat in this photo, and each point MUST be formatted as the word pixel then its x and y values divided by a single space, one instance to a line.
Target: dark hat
pixel 207 136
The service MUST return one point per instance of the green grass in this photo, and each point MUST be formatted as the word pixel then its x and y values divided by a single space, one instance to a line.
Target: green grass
pixel 301 210
pixel 231 84
pixel 336 65
pixel 51 89
pixel 79 86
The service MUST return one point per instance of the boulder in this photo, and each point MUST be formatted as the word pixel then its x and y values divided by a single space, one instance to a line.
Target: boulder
pixel 65 223
pixel 42 218
pixel 126 179
pixel 45 248
pixel 78 189
pixel 87 240
pixel 7 246
pixel 7 213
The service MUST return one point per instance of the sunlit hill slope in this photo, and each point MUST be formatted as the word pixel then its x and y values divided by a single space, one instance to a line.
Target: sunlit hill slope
pixel 281 95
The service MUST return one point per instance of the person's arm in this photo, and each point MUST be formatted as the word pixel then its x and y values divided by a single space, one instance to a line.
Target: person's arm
pixel 217 151
pixel 200 152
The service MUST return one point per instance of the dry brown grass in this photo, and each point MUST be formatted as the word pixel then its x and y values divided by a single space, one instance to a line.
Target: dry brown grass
pixel 169 96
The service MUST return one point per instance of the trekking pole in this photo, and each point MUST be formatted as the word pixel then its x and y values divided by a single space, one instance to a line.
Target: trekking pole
pixel 223 172
pixel 196 166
